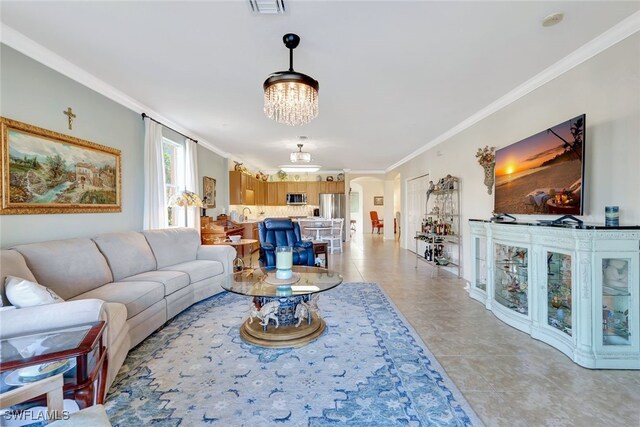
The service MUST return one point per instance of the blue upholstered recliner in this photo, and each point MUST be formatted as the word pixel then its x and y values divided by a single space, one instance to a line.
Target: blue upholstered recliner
pixel 283 232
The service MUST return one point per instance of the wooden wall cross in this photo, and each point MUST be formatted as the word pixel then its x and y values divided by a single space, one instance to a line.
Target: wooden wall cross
pixel 70 115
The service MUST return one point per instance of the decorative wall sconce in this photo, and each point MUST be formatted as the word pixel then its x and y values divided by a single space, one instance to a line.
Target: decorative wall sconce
pixel 487 159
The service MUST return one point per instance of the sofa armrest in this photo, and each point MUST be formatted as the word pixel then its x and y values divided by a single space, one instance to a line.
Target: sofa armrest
pixel 223 253
pixel 42 318
pixel 304 244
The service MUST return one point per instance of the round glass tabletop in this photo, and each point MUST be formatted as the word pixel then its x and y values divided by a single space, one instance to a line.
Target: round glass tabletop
pixel 259 282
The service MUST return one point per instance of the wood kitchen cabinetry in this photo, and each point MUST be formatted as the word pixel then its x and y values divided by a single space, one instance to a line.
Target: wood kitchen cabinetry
pixel 246 190
pixel 312 193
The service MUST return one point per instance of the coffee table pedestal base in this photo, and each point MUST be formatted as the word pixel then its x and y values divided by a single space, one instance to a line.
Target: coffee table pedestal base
pixel 283 336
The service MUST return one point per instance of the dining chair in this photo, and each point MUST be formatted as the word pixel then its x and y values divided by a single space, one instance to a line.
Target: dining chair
pixel 334 237
pixel 94 416
pixel 375 222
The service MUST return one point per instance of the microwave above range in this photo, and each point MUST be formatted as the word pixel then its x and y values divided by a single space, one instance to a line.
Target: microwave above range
pixel 296 198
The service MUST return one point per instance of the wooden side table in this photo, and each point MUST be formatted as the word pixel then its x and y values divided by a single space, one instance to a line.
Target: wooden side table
pixel 85 373
pixel 320 247
pixel 240 248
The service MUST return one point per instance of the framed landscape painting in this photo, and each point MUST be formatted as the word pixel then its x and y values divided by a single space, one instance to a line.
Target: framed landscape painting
pixel 48 172
pixel 378 200
pixel 209 191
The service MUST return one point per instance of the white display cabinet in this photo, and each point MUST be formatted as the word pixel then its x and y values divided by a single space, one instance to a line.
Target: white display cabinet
pixel 575 288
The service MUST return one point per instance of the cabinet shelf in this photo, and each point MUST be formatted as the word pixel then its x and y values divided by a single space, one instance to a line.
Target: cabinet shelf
pixel 450 264
pixel 610 291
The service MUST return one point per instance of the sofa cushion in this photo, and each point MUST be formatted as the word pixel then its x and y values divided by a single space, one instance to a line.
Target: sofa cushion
pixel 69 267
pixel 25 293
pixel 198 270
pixel 172 280
pixel 136 296
pixel 12 263
pixel 173 245
pixel 127 253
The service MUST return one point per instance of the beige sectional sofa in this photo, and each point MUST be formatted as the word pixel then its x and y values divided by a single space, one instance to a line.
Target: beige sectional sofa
pixel 135 281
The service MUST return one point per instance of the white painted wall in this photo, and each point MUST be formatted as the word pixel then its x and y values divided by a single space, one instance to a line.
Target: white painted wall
pixel 607 89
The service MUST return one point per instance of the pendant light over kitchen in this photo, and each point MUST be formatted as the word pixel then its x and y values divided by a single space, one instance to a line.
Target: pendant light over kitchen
pixel 291 97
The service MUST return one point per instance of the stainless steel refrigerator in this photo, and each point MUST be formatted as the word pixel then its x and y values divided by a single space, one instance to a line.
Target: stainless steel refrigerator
pixel 334 206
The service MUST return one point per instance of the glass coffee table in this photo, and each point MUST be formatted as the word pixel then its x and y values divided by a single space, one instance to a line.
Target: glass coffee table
pixel 282 315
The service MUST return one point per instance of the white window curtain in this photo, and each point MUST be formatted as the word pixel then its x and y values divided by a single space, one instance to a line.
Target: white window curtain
pixel 191 181
pixel 155 205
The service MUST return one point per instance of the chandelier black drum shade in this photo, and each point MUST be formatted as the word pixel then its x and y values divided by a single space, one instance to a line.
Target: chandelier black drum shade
pixel 291 97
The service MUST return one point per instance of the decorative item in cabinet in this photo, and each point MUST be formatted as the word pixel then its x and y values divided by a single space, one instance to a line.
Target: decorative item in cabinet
pixel 511 278
pixel 440 230
pixel 559 291
pixel 616 300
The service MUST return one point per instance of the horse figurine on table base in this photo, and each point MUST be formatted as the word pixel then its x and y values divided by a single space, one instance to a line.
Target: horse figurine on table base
pixel 267 312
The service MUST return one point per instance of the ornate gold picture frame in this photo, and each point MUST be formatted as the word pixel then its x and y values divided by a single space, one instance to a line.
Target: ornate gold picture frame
pixel 47 172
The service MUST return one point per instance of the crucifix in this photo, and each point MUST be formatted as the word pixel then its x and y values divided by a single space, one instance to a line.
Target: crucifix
pixel 71 116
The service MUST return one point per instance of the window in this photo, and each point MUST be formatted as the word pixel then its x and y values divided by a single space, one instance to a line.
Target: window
pixel 174 172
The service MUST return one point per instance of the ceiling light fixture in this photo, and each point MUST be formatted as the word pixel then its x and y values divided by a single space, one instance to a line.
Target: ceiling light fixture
pixel 291 97
pixel 300 168
pixel 299 156
pixel 552 19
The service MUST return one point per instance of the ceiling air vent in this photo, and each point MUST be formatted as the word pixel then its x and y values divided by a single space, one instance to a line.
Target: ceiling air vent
pixel 267 7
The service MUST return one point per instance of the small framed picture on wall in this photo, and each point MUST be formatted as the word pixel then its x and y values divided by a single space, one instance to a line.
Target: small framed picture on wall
pixel 209 191
pixel 378 200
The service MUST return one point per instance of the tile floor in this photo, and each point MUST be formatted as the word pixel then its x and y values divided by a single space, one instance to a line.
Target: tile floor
pixel 508 378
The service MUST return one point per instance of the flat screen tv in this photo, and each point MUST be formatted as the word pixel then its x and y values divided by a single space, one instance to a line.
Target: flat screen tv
pixel 543 174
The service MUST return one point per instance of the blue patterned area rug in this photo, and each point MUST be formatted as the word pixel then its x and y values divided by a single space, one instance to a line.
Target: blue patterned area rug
pixel 369 368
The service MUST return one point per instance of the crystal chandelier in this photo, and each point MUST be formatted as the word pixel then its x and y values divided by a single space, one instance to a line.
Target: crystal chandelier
pixel 299 156
pixel 291 97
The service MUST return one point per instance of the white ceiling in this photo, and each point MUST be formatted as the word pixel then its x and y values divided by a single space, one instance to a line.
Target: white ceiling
pixel 393 75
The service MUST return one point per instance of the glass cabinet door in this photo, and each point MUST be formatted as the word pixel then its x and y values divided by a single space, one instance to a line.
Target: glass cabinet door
pixel 511 277
pixel 559 290
pixel 480 251
pixel 616 301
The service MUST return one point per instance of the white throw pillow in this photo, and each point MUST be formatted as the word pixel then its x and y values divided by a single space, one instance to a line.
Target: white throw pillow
pixel 23 293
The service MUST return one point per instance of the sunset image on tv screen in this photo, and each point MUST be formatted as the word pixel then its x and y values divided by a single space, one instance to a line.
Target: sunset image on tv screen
pixel 543 173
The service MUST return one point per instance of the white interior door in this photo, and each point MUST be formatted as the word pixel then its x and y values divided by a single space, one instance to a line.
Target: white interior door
pixel 416 198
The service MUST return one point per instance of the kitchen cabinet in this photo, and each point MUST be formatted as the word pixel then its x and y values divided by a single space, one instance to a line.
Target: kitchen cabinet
pixel 312 193
pixel 296 187
pixel 241 189
pixel 272 194
pixel 574 288
pixel 246 190
pixel 331 187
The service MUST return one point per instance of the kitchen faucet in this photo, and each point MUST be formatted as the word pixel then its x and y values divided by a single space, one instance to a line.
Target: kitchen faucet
pixel 243 215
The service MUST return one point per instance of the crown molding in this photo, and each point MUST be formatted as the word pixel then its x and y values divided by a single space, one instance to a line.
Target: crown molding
pixel 615 34
pixel 30 48
pixel 367 172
